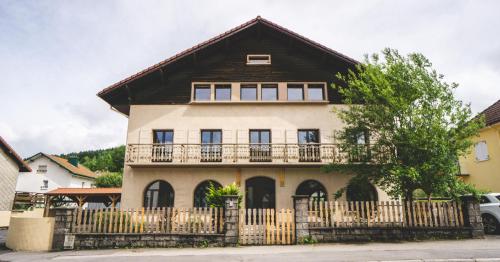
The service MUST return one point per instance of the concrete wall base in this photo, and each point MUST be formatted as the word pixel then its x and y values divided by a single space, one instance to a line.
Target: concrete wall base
pixel 364 234
pixel 102 241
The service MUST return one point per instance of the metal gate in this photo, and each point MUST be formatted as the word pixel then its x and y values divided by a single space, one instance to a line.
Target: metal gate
pixel 265 226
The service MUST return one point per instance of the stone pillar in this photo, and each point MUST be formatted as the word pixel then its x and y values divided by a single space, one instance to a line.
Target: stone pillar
pixel 472 216
pixel 62 226
pixel 231 220
pixel 301 206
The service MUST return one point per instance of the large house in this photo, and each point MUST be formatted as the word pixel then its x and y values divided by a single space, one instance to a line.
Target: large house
pixel 481 166
pixel 49 172
pixel 11 164
pixel 252 106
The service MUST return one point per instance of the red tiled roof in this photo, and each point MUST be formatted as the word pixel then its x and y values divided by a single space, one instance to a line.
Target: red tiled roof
pixel 23 167
pixel 85 191
pixel 492 114
pixel 220 37
pixel 80 170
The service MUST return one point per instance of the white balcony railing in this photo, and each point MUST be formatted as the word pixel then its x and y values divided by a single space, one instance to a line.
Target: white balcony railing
pixel 244 154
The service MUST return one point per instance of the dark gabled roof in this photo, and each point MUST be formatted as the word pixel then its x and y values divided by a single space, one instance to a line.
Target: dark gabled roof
pixel 491 114
pixel 81 170
pixel 23 167
pixel 194 49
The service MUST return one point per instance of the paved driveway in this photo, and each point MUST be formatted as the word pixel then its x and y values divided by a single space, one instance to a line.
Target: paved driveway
pixel 456 250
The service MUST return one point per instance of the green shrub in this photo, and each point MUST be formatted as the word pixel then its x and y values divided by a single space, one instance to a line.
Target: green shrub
pixel 215 195
pixel 308 241
pixel 109 179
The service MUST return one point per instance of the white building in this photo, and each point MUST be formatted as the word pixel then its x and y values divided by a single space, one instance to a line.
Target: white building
pixel 11 164
pixel 50 172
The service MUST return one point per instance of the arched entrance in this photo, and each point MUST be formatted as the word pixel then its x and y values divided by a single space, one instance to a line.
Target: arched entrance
pixel 260 192
pixel 159 193
pixel 200 199
pixel 361 192
pixel 314 189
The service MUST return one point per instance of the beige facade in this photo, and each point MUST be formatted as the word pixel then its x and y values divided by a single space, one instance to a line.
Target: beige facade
pixel 235 121
pixel 484 173
pixel 185 180
pixel 30 233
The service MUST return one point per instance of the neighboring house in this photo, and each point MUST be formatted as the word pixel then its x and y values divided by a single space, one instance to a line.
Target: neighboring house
pixel 11 164
pixel 481 166
pixel 50 172
pixel 252 106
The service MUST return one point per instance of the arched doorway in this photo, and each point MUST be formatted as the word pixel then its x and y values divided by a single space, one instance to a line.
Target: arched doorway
pixel 314 189
pixel 361 192
pixel 159 193
pixel 260 192
pixel 200 199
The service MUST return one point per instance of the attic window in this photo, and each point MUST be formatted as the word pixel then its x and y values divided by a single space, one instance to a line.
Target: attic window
pixel 258 59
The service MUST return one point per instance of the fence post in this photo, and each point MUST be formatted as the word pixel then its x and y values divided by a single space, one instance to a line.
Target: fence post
pixel 301 206
pixel 63 221
pixel 472 216
pixel 231 220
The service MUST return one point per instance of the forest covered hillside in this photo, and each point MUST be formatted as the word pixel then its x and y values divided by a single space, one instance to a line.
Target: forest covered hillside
pixel 104 160
pixel 107 162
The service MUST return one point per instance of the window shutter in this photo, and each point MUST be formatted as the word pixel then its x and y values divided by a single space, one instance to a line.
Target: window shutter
pixel 193 137
pixel 326 136
pixel 481 151
pixel 243 136
pixel 180 136
pixel 291 136
pixel 227 136
pixel 278 136
pixel 145 136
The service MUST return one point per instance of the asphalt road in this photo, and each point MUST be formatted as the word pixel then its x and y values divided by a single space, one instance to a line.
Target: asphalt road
pixel 456 250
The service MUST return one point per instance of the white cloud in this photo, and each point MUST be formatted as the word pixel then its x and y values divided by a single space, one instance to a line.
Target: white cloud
pixel 57 55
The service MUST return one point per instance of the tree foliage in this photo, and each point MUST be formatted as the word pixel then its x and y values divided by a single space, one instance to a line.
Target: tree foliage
pixel 109 179
pixel 415 125
pixel 110 160
pixel 215 195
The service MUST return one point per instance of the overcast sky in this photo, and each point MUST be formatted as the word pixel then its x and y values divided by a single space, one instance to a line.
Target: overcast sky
pixel 56 55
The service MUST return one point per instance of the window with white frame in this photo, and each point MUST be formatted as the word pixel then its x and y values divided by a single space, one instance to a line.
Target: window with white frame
pixel 41 169
pixel 258 59
pixel 481 150
pixel 45 185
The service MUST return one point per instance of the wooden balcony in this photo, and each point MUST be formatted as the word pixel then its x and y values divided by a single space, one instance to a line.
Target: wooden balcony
pixel 243 154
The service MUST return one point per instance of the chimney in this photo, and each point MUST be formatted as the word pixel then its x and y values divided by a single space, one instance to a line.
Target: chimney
pixel 73 159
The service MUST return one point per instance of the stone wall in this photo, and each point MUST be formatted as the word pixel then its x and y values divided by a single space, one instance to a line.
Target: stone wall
pixel 64 221
pixel 365 234
pixel 473 228
pixel 101 241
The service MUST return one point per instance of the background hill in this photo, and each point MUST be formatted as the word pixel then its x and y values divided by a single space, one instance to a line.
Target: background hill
pixel 107 162
pixel 104 160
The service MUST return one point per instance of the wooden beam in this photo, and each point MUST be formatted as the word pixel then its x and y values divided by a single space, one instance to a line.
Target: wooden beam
pixel 113 199
pixel 259 32
pixel 81 200
pixel 129 93
pixel 47 206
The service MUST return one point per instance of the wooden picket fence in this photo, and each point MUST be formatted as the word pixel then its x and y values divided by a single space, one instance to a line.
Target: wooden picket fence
pixel 265 226
pixel 384 214
pixel 149 221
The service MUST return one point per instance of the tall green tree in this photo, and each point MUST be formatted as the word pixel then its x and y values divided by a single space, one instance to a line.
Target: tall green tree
pixel 109 179
pixel 416 127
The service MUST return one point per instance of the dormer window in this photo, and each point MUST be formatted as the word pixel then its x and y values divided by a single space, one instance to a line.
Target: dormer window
pixel 258 59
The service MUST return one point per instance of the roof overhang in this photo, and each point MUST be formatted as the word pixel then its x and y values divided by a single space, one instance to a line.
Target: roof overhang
pixel 123 84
